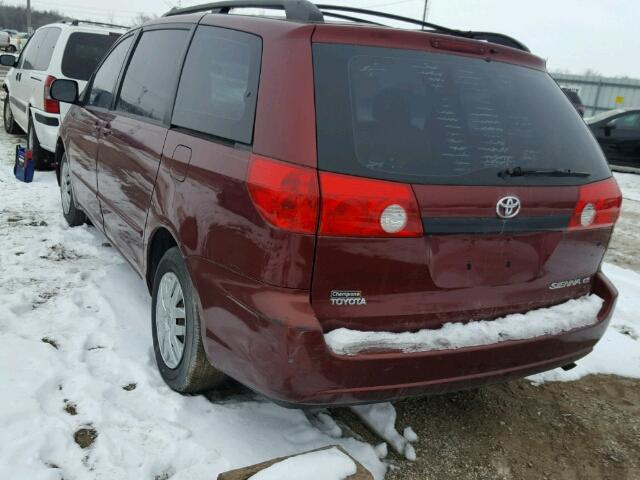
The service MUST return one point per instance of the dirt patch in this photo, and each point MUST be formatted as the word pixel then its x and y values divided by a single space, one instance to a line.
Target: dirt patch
pixel 588 429
pixel 70 407
pixel 51 342
pixel 59 252
pixel 131 386
pixel 85 437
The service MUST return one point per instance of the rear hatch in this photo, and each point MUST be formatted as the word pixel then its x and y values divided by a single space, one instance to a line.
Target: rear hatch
pixel 452 184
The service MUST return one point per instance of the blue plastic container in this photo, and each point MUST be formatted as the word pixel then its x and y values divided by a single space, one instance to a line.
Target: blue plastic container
pixel 23 168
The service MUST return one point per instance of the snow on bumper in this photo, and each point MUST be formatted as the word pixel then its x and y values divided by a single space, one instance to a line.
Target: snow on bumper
pixel 577 313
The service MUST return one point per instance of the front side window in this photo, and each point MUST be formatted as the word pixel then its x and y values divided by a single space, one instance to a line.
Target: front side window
pixel 83 52
pixel 219 84
pixel 630 121
pixel 46 48
pixel 104 82
pixel 148 85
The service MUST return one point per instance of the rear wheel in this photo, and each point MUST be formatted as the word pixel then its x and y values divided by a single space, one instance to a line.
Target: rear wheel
pixel 72 214
pixel 10 124
pixel 177 330
pixel 11 49
pixel 40 155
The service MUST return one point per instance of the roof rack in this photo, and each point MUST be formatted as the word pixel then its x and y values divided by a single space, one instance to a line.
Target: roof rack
pixel 301 10
pixel 305 11
pixel 498 38
pixel 76 22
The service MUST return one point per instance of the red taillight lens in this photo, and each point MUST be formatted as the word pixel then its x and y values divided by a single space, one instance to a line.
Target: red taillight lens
pixel 286 195
pixel 361 207
pixel 50 105
pixel 598 205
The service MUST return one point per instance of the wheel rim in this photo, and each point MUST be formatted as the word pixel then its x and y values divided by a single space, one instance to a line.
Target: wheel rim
pixel 170 320
pixel 65 187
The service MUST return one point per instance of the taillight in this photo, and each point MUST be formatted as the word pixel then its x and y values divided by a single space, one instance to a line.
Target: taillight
pixel 361 207
pixel 286 195
pixel 598 205
pixel 50 105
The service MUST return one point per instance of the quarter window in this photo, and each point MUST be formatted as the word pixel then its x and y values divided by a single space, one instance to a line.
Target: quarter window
pixel 83 52
pixel 148 86
pixel 105 79
pixel 219 84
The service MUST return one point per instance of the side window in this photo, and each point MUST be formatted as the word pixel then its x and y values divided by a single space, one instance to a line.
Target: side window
pixel 219 84
pixel 30 52
pixel 148 84
pixel 45 49
pixel 629 121
pixel 104 81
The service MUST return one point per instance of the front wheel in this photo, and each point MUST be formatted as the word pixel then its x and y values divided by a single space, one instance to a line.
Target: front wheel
pixel 72 214
pixel 177 330
pixel 11 49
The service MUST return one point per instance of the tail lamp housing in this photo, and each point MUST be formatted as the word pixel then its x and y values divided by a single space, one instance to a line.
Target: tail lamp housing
pixel 364 207
pixel 50 105
pixel 598 205
pixel 293 198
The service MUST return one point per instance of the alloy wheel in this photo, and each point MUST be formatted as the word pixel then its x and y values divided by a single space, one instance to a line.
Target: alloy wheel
pixel 170 320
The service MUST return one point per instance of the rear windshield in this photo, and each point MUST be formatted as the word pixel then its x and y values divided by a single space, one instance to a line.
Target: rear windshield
pixel 83 53
pixel 418 117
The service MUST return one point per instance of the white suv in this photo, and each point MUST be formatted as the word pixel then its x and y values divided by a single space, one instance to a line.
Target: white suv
pixel 70 49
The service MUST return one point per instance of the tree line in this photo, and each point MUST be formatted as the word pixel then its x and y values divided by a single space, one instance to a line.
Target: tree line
pixel 16 17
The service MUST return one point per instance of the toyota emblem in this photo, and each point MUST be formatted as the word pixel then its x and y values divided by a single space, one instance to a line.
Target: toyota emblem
pixel 508 207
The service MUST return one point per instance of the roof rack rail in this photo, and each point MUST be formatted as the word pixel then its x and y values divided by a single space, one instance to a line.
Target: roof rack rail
pixel 301 10
pixel 498 38
pixel 75 22
pixel 305 11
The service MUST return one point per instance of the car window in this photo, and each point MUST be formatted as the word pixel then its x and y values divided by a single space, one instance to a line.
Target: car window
pixel 632 120
pixel 45 48
pixel 219 84
pixel 28 57
pixel 423 117
pixel 148 85
pixel 105 79
pixel 83 52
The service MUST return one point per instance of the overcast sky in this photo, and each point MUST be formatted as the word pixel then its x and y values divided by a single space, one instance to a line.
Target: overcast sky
pixel 573 35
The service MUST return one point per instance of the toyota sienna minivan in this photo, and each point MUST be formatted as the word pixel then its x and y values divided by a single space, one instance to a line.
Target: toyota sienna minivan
pixel 312 203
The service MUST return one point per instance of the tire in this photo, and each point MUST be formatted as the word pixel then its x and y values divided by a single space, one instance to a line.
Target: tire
pixel 184 367
pixel 72 214
pixel 10 125
pixel 11 49
pixel 40 155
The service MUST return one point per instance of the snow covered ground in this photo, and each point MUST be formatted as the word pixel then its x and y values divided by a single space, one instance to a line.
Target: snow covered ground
pixel 77 366
pixel 76 353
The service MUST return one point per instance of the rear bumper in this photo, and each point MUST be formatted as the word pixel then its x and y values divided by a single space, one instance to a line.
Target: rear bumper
pixel 269 339
pixel 46 125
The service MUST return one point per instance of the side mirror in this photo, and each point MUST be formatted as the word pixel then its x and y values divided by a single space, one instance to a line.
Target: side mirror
pixel 8 60
pixel 64 90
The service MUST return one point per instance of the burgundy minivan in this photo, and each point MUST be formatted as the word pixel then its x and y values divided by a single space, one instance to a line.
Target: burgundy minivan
pixel 277 179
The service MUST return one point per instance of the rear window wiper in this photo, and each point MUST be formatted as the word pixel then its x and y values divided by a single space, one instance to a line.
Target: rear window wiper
pixel 542 172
